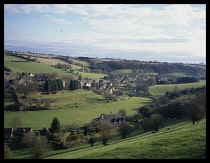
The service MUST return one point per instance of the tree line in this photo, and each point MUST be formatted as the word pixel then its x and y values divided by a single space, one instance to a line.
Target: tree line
pixel 164 68
pixel 53 85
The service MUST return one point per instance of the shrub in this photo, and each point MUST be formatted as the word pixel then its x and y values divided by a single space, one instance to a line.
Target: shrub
pixel 7 152
pixel 74 137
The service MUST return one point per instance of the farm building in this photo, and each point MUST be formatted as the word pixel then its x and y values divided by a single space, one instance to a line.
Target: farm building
pixel 112 118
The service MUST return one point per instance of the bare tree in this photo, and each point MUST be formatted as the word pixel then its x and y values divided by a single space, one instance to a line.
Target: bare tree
pixel 124 129
pixel 195 108
pixel 38 144
pixel 15 122
pixel 105 130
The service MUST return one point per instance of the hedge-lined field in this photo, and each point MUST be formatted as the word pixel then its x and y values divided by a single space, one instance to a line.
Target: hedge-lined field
pixel 158 90
pixel 78 115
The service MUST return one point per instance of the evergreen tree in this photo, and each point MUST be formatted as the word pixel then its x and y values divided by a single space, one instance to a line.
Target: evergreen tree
pixel 74 85
pixel 46 85
pixel 49 85
pixel 55 126
pixel 71 85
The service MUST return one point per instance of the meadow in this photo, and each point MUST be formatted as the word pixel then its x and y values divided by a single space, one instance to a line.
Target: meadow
pixel 182 141
pixel 159 90
pixel 78 115
pixel 45 67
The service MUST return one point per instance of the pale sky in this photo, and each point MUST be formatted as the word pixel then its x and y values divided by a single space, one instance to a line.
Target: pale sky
pixel 147 32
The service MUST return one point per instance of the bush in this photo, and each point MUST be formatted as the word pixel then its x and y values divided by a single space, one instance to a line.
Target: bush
pixel 7 152
pixel 74 137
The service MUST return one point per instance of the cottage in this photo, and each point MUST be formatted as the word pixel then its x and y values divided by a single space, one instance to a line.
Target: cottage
pixel 45 132
pixel 8 132
pixel 112 118
pixel 20 131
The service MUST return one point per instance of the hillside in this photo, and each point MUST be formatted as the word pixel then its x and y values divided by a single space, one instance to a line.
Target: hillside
pixel 159 90
pixel 78 115
pixel 106 86
pixel 45 64
pixel 182 141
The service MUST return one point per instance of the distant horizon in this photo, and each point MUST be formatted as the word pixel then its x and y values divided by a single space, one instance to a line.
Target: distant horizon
pixel 145 32
pixel 41 53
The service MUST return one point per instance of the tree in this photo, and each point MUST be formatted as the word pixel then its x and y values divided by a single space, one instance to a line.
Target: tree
pixel 55 126
pixel 156 121
pixel 26 87
pixel 123 111
pixel 7 152
pixel 53 85
pixel 74 85
pixel 143 87
pixel 91 141
pixel 15 122
pixel 145 124
pixel 195 109
pixel 105 130
pixel 124 129
pixel 38 145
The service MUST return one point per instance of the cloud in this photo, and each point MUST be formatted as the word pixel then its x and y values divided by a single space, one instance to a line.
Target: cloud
pixel 48 18
pixel 116 29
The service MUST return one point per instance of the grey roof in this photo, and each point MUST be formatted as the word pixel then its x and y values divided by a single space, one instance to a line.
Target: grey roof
pixel 110 117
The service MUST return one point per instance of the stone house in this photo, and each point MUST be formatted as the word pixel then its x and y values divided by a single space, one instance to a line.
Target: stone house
pixel 112 118
pixel 8 132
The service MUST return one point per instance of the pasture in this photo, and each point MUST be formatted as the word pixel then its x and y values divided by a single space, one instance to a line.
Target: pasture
pixel 159 90
pixel 45 67
pixel 78 115
pixel 182 141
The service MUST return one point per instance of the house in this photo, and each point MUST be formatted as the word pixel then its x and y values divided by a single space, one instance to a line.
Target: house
pixel 20 131
pixel 45 132
pixel 8 132
pixel 112 118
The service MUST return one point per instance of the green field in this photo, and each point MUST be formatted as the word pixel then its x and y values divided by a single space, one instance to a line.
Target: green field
pixel 79 115
pixel 35 67
pixel 123 71
pixel 159 90
pixel 182 141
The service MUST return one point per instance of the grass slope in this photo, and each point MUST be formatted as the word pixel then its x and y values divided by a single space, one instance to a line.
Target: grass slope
pixel 183 141
pixel 44 67
pixel 158 90
pixel 79 115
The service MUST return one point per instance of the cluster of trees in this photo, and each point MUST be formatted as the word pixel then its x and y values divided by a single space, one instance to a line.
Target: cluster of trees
pixel 193 107
pixel 142 86
pixel 25 87
pixel 174 94
pixel 53 85
pixel 164 68
pixel 187 80
pixel 74 85
pixel 63 66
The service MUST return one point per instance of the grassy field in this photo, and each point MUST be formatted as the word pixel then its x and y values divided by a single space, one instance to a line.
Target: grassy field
pixel 85 64
pixel 45 67
pixel 34 67
pixel 182 141
pixel 78 115
pixel 158 90
pixel 123 71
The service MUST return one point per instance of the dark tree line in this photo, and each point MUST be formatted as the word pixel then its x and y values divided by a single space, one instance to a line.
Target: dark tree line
pixel 187 80
pixel 150 117
pixel 74 85
pixel 160 68
pixel 53 85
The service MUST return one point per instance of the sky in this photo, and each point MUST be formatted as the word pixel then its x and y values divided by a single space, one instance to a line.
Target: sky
pixel 146 32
